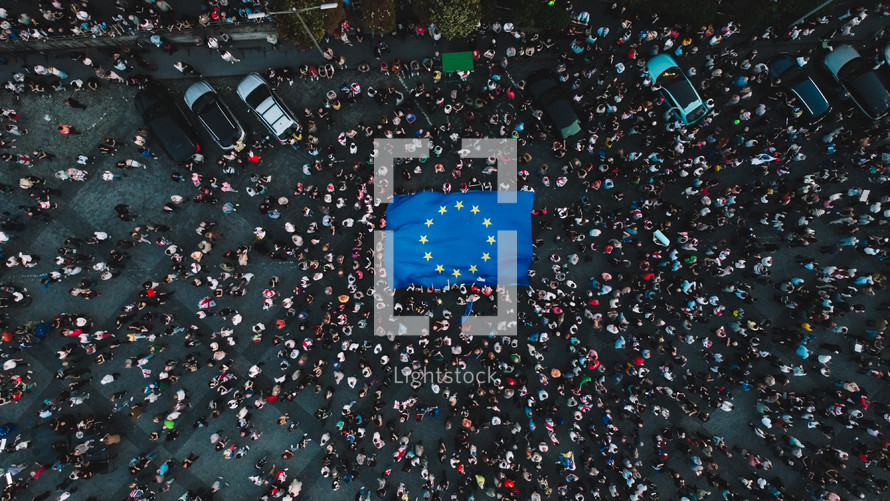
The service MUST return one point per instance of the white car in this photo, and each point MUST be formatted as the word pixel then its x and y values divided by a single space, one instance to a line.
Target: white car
pixel 275 115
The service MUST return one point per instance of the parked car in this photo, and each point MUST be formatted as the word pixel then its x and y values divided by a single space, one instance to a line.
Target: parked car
pixel 167 123
pixel 551 99
pixel 214 115
pixel 795 80
pixel 274 114
pixel 869 87
pixel 676 88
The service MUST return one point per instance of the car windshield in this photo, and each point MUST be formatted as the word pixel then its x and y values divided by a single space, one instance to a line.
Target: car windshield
pixel 695 114
pixel 853 70
pixel 204 102
pixel 793 76
pixel 676 84
pixel 260 94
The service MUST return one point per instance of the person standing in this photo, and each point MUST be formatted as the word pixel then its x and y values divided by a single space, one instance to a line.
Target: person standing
pixel 186 68
pixel 227 56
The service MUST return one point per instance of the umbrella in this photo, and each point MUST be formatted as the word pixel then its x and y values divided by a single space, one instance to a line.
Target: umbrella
pixel 41 329
pixel 169 424
pixel 555 373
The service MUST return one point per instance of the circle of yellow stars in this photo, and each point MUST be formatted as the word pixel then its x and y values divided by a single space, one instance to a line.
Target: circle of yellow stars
pixel 456 272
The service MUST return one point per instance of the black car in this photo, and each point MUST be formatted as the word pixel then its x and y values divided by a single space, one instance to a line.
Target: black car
pixel 551 99
pixel 214 115
pixel 167 123
pixel 784 69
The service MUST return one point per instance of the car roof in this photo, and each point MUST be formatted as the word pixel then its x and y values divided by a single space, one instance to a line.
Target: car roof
pixel 841 55
pixel 871 94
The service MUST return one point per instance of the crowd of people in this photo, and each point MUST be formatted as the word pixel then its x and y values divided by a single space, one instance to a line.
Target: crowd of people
pixel 618 331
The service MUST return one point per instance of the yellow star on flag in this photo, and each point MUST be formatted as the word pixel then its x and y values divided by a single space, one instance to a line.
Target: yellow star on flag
pixel 475 209
pixel 442 210
pixel 459 205
pixel 427 256
pixel 473 268
pixel 486 222
pixel 428 223
pixel 485 256
pixel 490 239
pixel 456 273
pixel 440 268
pixel 423 239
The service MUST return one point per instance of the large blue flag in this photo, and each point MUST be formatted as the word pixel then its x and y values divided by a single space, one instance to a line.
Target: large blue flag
pixel 446 239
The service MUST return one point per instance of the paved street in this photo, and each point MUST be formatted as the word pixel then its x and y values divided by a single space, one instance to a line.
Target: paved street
pixel 651 316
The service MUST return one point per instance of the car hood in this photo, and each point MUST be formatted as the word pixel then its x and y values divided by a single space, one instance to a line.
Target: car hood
pixel 250 82
pixel 836 59
pixel 659 64
pixel 195 91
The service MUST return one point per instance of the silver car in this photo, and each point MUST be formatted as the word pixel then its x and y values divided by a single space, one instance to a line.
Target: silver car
pixel 868 86
pixel 214 115
pixel 276 116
